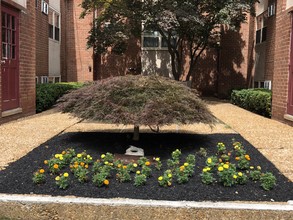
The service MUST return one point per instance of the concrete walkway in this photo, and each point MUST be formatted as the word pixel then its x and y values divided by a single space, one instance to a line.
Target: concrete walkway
pixel 273 139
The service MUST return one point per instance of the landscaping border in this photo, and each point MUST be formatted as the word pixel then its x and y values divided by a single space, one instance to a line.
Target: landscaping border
pixel 44 207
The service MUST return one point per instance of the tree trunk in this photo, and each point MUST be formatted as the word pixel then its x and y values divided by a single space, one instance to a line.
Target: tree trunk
pixel 136 133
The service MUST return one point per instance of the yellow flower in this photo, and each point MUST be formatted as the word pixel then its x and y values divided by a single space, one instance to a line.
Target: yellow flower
pixel 106 162
pixel 208 168
pixel 147 163
pixel 258 167
pixel 124 167
pixel 251 167
pixel 134 165
pixel 138 172
pixel 56 155
pixel 186 164
pixel 65 174
pixel 79 155
pixel 226 166
pixel 160 178
pixel 103 156
pixel 209 160
pixel 169 183
pixel 157 159
pixel 204 170
pixel 106 182
pixel 57 178
pixel 41 171
pixel 170 175
pixel 88 156
pixel 63 152
pixel 55 166
pixel 235 176
pixel 220 169
pixel 182 168
pixel 45 162
pixel 119 165
pixel 240 174
pixel 61 157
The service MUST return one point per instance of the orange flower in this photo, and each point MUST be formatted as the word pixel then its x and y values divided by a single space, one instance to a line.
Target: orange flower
pixel 237 158
pixel 247 157
pixel 82 164
pixel 70 166
pixel 45 162
pixel 56 166
pixel 41 171
pixel 75 166
pixel 75 163
pixel 229 153
pixel 63 152
pixel 147 163
pixel 106 182
pixel 86 166
pixel 220 160
pixel 124 167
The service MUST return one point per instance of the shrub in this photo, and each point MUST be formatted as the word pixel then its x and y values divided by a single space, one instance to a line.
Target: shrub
pixel 255 100
pixel 47 94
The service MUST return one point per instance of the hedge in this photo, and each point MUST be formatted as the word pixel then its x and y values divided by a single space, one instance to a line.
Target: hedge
pixel 258 101
pixel 47 94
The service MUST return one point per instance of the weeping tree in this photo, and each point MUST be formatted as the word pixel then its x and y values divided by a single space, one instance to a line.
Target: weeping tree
pixel 188 26
pixel 138 100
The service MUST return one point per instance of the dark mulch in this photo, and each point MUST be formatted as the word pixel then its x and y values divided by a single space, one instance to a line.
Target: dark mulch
pixel 17 178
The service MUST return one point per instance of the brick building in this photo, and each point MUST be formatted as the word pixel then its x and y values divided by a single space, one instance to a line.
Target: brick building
pixel 273 55
pixel 18 59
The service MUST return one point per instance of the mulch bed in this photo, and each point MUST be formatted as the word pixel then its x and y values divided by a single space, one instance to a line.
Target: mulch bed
pixel 17 177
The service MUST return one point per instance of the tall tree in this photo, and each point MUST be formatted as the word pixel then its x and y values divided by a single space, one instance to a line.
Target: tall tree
pixel 186 25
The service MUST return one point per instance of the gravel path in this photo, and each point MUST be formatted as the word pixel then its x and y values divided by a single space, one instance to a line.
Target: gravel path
pixel 273 139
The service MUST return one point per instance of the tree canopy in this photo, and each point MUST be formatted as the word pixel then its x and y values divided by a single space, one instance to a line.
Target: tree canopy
pixel 188 26
pixel 137 100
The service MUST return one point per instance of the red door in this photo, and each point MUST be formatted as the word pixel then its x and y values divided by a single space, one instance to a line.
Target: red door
pixel 9 59
pixel 290 86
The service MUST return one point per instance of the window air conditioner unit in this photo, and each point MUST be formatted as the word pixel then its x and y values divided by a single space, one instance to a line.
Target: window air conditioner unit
pixel 268 84
pixel 45 7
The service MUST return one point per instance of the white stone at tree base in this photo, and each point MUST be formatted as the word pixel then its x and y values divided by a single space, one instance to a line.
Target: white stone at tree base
pixel 135 151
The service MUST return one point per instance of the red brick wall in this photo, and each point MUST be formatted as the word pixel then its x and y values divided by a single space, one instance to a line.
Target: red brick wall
pixel 281 64
pixel 27 63
pixel 76 61
pixel 42 43
pixel 234 67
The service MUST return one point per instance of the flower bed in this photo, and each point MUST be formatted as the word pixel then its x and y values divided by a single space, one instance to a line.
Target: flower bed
pixel 184 167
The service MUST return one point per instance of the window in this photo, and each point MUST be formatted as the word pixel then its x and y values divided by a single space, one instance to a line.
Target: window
pixel 54 25
pixel 261 27
pixel 154 40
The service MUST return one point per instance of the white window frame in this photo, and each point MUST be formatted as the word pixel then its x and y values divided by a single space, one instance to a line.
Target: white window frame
pixel 153 34
pixel 54 13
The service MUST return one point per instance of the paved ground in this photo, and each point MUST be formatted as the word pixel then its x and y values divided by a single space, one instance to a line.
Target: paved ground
pixel 272 138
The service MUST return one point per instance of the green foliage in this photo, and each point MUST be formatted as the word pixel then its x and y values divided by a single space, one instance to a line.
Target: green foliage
pixel 255 100
pixel 227 174
pixel 138 100
pixel 166 179
pixel 268 181
pixel 140 179
pixel 62 181
pixel 207 176
pixel 255 175
pixel 48 94
pixel 38 177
